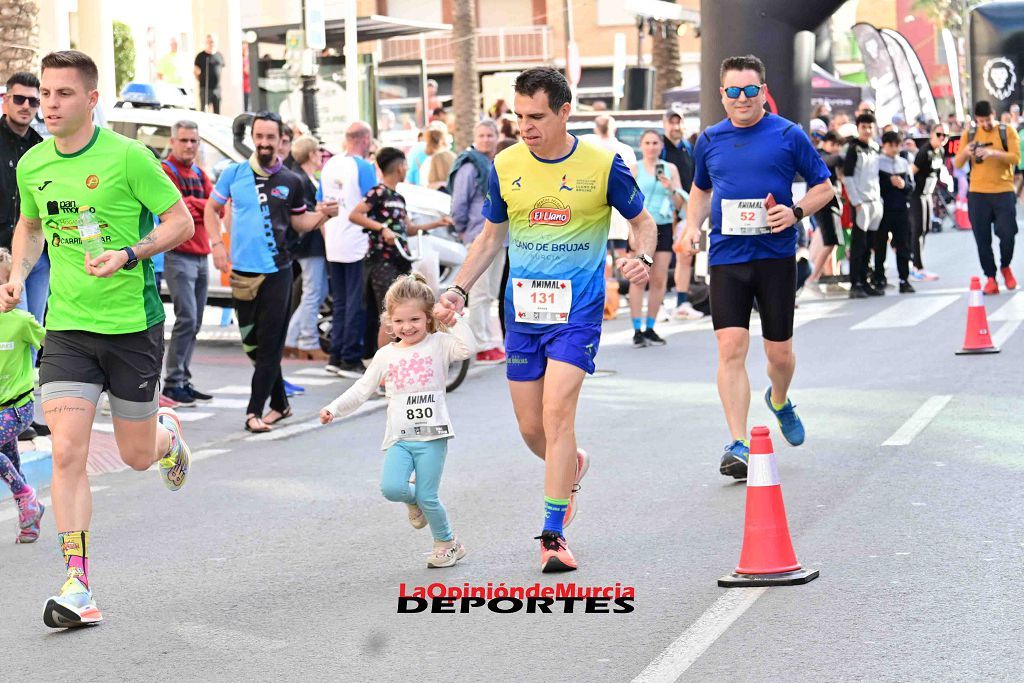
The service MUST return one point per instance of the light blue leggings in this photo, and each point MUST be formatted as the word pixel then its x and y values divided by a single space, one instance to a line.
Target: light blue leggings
pixel 426 458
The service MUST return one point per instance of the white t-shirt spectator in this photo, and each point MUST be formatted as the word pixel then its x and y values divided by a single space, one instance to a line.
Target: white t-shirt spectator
pixel 619 229
pixel 345 179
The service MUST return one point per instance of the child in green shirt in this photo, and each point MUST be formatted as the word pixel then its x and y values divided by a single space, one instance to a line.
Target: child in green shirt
pixel 19 331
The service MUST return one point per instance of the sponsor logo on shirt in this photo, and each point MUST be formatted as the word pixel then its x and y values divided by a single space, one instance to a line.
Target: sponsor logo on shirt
pixel 518 183
pixel 6 346
pixel 280 192
pixel 92 182
pixel 550 211
pixel 565 184
pixel 43 186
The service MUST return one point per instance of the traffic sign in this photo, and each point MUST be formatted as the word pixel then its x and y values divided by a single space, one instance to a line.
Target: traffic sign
pixel 316 29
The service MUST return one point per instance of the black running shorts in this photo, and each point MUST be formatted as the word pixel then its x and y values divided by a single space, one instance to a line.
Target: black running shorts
pixel 772 282
pixel 127 366
pixel 664 237
pixel 828 223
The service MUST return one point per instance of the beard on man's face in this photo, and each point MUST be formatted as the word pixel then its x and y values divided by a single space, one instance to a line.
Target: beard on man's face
pixel 266 155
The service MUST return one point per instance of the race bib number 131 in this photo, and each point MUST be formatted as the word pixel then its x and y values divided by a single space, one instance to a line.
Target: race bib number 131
pixel 542 301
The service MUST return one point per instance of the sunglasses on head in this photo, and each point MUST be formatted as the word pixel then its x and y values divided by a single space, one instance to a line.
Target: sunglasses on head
pixel 267 116
pixel 22 99
pixel 733 91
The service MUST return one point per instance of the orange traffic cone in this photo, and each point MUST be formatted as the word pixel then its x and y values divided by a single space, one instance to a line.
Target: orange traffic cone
pixel 767 558
pixel 977 338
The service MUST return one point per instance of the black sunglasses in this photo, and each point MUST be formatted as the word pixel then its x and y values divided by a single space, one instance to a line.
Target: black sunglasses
pixel 267 116
pixel 940 135
pixel 22 99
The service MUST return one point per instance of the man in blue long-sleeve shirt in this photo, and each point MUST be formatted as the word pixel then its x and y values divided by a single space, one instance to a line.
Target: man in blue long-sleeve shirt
pixel 896 183
pixel 468 185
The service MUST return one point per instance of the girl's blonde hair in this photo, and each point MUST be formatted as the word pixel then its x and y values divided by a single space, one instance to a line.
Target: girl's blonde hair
pixel 5 266
pixel 411 288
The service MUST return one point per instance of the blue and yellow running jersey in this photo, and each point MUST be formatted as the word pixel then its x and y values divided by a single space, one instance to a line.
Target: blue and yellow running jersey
pixel 559 212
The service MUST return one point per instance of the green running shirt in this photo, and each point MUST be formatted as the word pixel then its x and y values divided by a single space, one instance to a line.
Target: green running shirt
pixel 123 183
pixel 18 332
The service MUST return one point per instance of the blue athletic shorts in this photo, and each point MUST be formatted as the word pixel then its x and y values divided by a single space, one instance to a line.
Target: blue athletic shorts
pixel 573 343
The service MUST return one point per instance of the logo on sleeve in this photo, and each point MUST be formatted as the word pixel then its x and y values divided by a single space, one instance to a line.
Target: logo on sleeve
pixel 280 192
pixel 550 211
pixel 518 183
pixel 43 186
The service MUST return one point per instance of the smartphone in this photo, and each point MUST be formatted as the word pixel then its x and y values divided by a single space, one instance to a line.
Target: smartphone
pixel 769 201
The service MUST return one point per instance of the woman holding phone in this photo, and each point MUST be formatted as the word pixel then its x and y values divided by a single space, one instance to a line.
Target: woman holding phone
pixel 663 198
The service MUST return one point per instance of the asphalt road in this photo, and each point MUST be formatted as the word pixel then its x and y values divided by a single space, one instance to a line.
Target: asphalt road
pixel 281 560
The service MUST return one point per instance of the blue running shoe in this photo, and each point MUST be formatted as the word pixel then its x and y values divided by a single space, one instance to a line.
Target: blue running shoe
pixel 734 460
pixel 789 422
pixel 293 389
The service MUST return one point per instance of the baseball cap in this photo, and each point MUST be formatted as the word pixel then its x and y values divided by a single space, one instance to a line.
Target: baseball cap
pixel 672 112
pixel 847 130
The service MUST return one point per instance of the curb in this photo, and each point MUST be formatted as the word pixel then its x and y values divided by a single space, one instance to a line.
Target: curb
pixel 37 466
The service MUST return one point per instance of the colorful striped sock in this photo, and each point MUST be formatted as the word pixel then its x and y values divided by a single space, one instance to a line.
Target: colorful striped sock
pixel 75 545
pixel 554 513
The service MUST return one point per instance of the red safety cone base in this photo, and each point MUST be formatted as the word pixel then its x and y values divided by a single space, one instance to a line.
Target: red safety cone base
pixel 972 352
pixel 796 578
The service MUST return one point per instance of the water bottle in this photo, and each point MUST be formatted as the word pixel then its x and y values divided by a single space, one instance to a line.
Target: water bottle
pixel 89 232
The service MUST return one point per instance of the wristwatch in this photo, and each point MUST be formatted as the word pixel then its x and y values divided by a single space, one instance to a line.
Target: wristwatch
pixel 132 259
pixel 645 259
pixel 798 212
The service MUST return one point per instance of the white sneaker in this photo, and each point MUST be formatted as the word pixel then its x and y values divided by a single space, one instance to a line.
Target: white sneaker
pixel 416 516
pixel 446 553
pixel 686 311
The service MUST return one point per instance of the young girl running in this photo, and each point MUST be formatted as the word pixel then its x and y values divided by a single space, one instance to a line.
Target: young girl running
pixel 414 370
pixel 19 332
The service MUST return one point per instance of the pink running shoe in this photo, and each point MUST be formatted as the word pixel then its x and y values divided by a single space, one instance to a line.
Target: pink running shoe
pixel 30 513
pixel 582 465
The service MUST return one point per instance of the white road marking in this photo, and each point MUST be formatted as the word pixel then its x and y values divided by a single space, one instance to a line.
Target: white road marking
pixel 12 512
pixel 301 427
pixel 918 421
pixel 225 403
pixel 1004 332
pixel 192 416
pixel 1011 310
pixel 808 312
pixel 314 381
pixel 687 648
pixel 314 372
pixel 906 313
pixel 243 389
pixel 208 453
pixel 104 427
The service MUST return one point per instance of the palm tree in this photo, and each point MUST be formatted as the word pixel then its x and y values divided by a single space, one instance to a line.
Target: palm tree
pixel 665 57
pixel 466 86
pixel 19 37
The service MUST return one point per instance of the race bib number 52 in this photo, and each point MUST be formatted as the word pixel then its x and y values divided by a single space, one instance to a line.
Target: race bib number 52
pixel 542 301
pixel 744 217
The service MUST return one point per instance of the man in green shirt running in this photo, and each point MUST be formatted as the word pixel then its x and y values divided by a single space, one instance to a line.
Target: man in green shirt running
pixel 105 320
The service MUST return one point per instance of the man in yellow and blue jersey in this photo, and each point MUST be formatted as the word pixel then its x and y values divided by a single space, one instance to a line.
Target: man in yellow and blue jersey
pixel 552 196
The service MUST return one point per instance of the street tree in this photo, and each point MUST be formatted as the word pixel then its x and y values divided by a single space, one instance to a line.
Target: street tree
pixel 665 58
pixel 19 36
pixel 466 84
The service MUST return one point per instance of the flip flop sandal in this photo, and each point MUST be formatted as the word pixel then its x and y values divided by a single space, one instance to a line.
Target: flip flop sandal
pixel 284 416
pixel 266 428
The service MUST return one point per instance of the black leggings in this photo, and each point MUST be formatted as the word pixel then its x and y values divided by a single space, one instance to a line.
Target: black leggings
pixel 897 224
pixel 264 322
